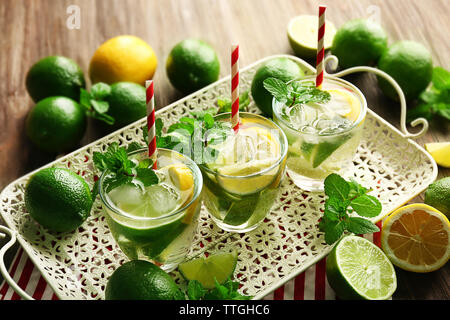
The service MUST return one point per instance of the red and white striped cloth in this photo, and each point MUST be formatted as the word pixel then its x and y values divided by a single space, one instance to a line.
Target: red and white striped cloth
pixel 309 285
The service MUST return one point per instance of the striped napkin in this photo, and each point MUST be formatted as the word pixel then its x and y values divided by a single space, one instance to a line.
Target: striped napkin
pixel 312 284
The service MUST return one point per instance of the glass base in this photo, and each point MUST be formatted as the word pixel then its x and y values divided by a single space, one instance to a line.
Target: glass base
pixel 236 229
pixel 306 183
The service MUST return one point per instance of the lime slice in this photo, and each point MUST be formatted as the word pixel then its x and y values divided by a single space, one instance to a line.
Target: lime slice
pixel 219 266
pixel 302 35
pixel 440 151
pixel 358 269
pixel 318 153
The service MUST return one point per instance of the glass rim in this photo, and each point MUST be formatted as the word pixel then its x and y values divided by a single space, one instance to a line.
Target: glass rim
pixel 283 140
pixel 354 125
pixel 197 190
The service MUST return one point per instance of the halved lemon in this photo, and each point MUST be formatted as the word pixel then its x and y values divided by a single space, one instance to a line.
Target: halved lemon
pixel 440 151
pixel 302 34
pixel 416 238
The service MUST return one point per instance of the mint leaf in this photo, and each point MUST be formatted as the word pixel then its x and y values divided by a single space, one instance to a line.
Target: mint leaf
pixel 224 104
pixel 147 176
pixel 277 88
pixel 195 290
pixel 100 106
pixel 336 187
pixel 366 206
pixel 333 231
pixel 441 78
pixel 85 98
pixel 358 225
pixel 100 91
pixel 133 146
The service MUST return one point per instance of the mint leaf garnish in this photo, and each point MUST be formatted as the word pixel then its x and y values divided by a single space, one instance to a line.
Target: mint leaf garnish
pixel 295 92
pixel 346 197
pixel 122 170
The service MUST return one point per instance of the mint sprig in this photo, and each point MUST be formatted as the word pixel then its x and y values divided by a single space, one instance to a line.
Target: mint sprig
pixel 122 170
pixel 193 136
pixel 94 102
pixel 434 102
pixel 226 291
pixel 224 104
pixel 344 198
pixel 295 92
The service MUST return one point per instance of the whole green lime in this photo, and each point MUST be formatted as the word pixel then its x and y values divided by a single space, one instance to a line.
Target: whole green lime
pixel 191 65
pixel 281 68
pixel 55 76
pixel 56 124
pixel 126 103
pixel 410 64
pixel 438 195
pixel 58 199
pixel 141 280
pixel 359 42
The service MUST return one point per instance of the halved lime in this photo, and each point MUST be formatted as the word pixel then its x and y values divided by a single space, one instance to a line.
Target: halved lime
pixel 302 35
pixel 358 269
pixel 219 266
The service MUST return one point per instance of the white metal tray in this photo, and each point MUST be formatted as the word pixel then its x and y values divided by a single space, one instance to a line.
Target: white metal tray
pixel 77 265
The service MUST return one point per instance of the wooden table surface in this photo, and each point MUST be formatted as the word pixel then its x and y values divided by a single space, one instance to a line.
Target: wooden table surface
pixel 32 29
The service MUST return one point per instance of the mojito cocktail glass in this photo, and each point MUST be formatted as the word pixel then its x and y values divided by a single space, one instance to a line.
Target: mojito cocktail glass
pixel 322 137
pixel 242 182
pixel 156 223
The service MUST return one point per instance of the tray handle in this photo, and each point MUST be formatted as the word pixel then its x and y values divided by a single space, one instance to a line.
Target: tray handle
pixel 333 63
pixel 4 230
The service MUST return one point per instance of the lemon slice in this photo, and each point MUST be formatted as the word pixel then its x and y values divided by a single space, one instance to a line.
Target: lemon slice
pixel 345 103
pixel 416 238
pixel 302 35
pixel 440 151
pixel 265 152
pixel 181 176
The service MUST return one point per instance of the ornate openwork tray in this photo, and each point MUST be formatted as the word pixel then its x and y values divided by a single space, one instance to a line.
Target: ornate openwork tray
pixel 77 265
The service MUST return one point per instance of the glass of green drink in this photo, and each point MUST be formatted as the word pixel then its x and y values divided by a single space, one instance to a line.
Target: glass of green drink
pixel 241 183
pixel 156 223
pixel 322 137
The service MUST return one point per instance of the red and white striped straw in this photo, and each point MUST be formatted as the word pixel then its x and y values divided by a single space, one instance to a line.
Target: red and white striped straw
pixel 235 87
pixel 152 152
pixel 320 47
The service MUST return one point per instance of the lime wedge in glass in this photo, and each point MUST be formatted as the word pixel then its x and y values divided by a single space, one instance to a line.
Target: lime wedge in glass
pixel 358 269
pixel 302 35
pixel 219 266
pixel 318 153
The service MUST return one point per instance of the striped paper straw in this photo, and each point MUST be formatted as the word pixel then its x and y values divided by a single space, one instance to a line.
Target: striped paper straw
pixel 152 152
pixel 320 47
pixel 235 87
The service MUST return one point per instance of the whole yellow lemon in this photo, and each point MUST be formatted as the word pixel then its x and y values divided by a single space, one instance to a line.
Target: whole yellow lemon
pixel 123 58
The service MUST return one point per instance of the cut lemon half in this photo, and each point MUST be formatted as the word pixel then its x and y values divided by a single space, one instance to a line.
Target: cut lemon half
pixel 440 151
pixel 416 238
pixel 216 267
pixel 302 34
pixel 358 269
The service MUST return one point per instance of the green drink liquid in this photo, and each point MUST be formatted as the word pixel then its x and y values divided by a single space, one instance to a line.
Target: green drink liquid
pixel 157 222
pixel 241 184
